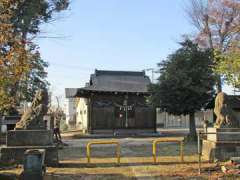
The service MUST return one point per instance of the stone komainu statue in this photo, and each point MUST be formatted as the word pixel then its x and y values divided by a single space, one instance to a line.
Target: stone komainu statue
pixel 225 115
pixel 33 117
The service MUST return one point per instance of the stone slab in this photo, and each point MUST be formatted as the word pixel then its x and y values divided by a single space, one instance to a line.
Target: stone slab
pixel 222 150
pixel 29 138
pixel 235 136
pixel 16 154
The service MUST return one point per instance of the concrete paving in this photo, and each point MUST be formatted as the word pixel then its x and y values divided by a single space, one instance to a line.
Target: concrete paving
pixel 130 147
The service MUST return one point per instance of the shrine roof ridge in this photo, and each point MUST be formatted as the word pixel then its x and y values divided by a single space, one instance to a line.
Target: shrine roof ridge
pixel 120 73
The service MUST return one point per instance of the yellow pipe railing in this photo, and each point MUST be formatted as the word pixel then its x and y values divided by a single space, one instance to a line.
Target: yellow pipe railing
pixel 103 142
pixel 179 140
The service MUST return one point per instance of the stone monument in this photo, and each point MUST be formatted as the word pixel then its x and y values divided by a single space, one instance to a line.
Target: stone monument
pixel 30 133
pixel 223 140
pixel 33 117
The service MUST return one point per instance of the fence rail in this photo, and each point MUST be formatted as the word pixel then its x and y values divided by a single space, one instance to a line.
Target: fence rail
pixel 104 143
pixel 162 140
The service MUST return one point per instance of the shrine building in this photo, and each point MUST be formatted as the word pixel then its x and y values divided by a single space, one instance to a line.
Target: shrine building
pixel 112 102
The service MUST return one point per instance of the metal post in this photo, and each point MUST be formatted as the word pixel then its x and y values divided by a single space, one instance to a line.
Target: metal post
pixel 118 153
pixel 154 152
pixel 199 154
pixel 88 153
pixel 181 151
pixel 126 116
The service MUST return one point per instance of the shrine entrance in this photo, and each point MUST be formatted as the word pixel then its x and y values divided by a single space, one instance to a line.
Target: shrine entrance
pixel 121 113
pixel 124 115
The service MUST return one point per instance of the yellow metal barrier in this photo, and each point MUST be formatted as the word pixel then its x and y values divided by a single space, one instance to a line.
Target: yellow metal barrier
pixel 103 142
pixel 171 139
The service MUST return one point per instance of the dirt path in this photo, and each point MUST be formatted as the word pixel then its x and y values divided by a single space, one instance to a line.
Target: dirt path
pixel 136 161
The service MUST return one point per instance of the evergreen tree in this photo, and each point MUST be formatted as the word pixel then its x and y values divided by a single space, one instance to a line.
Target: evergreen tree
pixel 22 70
pixel 186 82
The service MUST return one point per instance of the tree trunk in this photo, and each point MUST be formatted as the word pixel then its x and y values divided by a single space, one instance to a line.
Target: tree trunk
pixel 0 129
pixel 219 84
pixel 192 127
pixel 210 41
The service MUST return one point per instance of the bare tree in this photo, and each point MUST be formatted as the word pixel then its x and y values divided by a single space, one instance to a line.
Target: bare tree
pixel 217 22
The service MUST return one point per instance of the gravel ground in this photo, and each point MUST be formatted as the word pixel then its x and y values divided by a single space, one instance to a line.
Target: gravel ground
pixel 136 162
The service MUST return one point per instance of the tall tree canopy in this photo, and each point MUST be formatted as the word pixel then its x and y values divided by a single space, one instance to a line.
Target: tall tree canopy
pixel 21 68
pixel 29 14
pixel 228 64
pixel 218 24
pixel 13 57
pixel 186 82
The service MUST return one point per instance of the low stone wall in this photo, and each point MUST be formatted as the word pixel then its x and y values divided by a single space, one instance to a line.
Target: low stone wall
pixel 29 138
pixel 18 141
pixel 220 151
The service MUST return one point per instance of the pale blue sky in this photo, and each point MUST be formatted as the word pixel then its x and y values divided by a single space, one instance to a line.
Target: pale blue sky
pixel 111 35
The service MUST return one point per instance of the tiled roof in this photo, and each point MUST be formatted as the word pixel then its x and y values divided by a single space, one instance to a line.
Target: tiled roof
pixel 115 81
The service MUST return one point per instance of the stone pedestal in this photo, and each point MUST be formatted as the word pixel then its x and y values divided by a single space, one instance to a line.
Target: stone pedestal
pixel 18 141
pixel 221 146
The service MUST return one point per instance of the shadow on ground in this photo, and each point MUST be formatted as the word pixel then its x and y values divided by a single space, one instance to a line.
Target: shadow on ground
pixel 115 177
pixel 78 164
pixel 8 176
